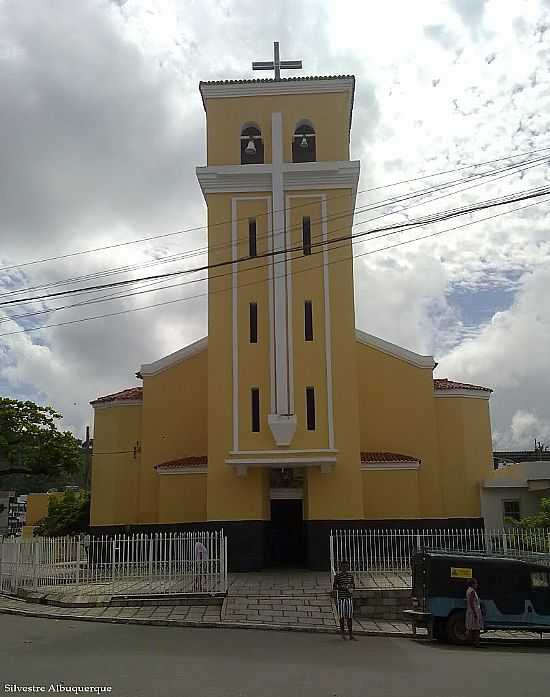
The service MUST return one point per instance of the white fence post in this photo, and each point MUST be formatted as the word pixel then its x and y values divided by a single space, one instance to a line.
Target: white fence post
pixel 35 563
pixel 113 549
pixel 504 541
pixel 78 564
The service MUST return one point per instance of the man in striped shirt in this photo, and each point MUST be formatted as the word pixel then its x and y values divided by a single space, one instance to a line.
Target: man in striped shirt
pixel 342 587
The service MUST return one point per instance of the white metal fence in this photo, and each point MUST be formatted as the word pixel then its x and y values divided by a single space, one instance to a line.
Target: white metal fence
pixel 390 551
pixel 120 565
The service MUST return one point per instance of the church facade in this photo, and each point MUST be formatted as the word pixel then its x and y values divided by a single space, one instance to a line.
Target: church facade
pixel 286 420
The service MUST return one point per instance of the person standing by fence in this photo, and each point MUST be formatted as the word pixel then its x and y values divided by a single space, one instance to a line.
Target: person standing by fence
pixel 474 618
pixel 201 561
pixel 343 585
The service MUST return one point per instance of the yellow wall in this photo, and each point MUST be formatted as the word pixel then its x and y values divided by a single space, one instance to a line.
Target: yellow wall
pixel 115 470
pixel 253 285
pixel 391 494
pixel 174 424
pixel 397 413
pixel 182 498
pixel 337 494
pixel 380 403
pixel 37 507
pixel 231 497
pixel 450 435
pixel 465 452
pixel 329 114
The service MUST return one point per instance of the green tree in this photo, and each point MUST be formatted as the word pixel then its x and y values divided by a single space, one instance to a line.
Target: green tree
pixel 67 515
pixel 31 444
pixel 540 519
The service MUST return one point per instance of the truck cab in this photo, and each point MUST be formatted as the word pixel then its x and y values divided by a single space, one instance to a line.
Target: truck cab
pixel 514 593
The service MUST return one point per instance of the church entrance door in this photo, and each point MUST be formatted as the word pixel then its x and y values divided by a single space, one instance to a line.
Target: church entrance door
pixel 287 533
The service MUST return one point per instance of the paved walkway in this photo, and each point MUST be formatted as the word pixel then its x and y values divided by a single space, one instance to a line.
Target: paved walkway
pixel 301 582
pixel 276 582
pixel 212 616
pixel 306 610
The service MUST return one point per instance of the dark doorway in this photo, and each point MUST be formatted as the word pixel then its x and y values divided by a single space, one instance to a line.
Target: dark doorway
pixel 287 533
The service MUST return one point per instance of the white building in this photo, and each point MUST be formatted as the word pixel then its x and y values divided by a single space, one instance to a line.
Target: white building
pixel 514 491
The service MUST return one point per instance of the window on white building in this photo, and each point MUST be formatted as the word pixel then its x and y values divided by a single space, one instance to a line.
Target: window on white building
pixel 511 510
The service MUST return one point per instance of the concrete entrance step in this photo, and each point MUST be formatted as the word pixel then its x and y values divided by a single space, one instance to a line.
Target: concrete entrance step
pixel 299 610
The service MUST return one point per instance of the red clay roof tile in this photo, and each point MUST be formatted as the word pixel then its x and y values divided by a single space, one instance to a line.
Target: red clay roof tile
pixel 446 384
pixel 387 457
pixel 192 461
pixel 132 393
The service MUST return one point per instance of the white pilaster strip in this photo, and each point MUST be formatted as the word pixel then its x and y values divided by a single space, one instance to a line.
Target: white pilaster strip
pixel 289 321
pixel 328 328
pixel 271 293
pixel 280 309
pixel 235 325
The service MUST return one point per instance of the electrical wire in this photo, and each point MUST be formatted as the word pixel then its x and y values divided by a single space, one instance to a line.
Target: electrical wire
pixel 203 227
pixel 540 191
pixel 194 297
pixel 509 169
pixel 137 291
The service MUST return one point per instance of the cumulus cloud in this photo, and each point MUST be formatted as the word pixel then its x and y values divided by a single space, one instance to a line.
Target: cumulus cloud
pixel 510 354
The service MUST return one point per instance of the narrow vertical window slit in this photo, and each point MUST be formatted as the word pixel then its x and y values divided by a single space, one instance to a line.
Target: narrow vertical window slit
pixel 308 320
pixel 255 398
pixel 310 408
pixel 253 323
pixel 252 239
pixel 306 235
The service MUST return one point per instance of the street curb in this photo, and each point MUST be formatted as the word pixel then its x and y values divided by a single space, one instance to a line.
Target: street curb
pixel 202 625
pixel 496 641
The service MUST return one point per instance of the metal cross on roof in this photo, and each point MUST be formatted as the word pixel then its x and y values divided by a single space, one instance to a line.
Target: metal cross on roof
pixel 276 64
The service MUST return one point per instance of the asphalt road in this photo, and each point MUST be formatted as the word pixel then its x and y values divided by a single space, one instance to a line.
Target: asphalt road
pixel 169 661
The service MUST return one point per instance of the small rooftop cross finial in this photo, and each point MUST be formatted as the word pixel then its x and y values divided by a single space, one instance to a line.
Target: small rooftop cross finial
pixel 276 64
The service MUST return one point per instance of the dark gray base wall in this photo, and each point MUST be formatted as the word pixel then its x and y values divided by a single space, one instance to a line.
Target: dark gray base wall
pixel 248 541
pixel 317 532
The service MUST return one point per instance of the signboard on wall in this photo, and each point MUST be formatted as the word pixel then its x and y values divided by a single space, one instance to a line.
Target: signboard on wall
pixel 460 572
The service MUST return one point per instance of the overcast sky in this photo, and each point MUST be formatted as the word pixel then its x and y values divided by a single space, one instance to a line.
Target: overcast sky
pixel 102 126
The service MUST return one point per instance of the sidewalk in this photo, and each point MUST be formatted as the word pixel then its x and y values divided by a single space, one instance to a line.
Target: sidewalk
pixel 186 616
pixel 213 617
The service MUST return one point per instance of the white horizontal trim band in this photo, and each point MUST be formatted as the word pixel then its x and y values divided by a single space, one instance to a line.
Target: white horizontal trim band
pixel 281 452
pixel 375 342
pixel 148 369
pixel 296 176
pixel 278 462
pixel 472 394
pixel 182 470
pixel 286 494
pixel 512 484
pixel 264 89
pixel 405 465
pixel 119 403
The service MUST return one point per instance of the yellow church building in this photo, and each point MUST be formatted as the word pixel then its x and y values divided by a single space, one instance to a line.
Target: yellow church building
pixel 287 420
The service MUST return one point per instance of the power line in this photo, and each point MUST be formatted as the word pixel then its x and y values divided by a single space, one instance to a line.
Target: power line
pixel 508 169
pixel 203 227
pixel 540 191
pixel 224 290
pixel 156 282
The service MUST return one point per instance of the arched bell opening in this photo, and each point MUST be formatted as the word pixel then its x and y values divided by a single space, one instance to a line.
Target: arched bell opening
pixel 252 145
pixel 304 147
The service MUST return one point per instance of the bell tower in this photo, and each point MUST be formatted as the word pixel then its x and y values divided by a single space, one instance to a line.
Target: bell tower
pixel 282 394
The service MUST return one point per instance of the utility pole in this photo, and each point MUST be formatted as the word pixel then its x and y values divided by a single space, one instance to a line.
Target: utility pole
pixel 87 450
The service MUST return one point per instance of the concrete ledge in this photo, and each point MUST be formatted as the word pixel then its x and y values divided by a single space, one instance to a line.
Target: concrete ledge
pixel 70 600
pixel 311 629
pixel 315 629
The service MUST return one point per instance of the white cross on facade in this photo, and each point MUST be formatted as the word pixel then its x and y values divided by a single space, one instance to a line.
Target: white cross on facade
pixel 276 64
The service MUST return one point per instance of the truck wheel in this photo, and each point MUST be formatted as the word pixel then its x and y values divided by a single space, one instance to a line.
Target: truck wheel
pixel 456 628
pixel 439 630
